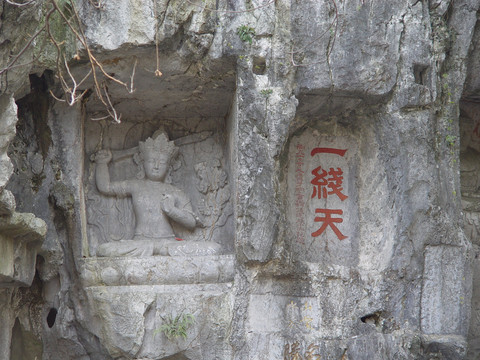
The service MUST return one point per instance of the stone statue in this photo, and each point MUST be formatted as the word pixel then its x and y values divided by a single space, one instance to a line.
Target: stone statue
pixel 155 204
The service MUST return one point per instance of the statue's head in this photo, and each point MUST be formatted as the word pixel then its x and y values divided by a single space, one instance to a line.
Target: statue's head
pixel 156 154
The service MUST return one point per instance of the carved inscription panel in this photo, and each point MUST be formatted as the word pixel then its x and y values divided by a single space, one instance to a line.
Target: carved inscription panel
pixel 322 210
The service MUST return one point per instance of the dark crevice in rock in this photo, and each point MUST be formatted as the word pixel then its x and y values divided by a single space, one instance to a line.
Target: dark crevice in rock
pixel 178 356
pixel 420 73
pixel 51 317
pixel 448 13
pixel 37 103
pixel 29 149
pixel 371 318
pixel 259 65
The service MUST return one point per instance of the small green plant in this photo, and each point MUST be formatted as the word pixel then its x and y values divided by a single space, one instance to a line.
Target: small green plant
pixel 266 92
pixel 451 140
pixel 176 327
pixel 246 33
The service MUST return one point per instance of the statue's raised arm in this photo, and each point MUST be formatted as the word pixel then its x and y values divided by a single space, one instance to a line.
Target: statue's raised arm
pixel 102 176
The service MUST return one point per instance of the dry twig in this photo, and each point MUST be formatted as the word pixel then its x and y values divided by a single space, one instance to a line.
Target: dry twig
pixel 157 54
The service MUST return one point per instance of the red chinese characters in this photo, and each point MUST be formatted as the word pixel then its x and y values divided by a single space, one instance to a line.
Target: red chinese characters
pixel 328 183
pixel 329 221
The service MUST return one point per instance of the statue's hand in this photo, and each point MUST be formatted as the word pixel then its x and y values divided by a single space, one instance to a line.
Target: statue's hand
pixel 168 204
pixel 103 156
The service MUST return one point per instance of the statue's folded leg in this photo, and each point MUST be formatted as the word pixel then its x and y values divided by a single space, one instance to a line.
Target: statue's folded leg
pixel 129 248
pixel 188 248
pixel 135 248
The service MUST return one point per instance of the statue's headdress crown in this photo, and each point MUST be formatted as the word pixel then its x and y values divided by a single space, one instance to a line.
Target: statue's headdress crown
pixel 159 144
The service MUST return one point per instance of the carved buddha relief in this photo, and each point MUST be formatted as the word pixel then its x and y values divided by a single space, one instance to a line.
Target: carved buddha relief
pixel 159 208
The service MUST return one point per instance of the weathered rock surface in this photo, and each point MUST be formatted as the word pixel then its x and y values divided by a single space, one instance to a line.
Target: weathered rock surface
pixel 330 149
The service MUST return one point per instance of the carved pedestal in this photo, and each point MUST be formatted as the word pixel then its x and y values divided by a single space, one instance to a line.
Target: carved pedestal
pixel 157 270
pixel 132 298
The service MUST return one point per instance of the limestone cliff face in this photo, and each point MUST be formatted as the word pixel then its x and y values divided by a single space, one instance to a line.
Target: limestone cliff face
pixel 330 149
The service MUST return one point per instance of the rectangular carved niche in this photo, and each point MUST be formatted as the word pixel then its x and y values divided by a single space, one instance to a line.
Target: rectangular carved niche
pixel 322 207
pixel 199 171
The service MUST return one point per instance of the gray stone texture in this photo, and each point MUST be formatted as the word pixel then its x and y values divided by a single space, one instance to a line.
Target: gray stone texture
pixel 443 295
pixel 395 82
pixel 7 132
pixel 469 170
